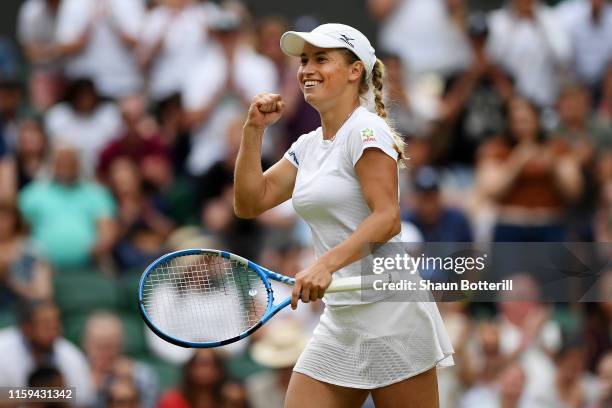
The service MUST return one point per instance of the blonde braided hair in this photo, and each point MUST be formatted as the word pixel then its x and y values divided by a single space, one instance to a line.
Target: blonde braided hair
pixel 377 79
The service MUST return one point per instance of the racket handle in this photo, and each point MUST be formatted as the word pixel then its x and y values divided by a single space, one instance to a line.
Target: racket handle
pixel 356 283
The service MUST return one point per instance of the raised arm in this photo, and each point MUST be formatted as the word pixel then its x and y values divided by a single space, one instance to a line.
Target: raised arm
pixel 255 191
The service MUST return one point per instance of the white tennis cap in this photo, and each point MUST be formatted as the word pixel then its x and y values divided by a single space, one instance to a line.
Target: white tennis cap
pixel 331 36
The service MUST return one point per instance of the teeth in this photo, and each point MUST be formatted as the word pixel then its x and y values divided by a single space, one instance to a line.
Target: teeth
pixel 311 83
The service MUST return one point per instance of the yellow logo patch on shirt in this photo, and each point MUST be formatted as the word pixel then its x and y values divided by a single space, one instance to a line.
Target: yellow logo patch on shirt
pixel 367 135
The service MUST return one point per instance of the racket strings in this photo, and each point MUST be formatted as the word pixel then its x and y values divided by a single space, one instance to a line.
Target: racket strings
pixel 201 298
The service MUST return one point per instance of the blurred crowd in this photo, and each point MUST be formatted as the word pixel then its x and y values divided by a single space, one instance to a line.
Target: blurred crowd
pixel 120 122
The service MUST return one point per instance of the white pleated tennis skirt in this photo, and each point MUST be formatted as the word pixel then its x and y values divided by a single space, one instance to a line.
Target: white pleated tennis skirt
pixel 373 345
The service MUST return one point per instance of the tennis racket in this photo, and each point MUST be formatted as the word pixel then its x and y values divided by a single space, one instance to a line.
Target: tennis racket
pixel 209 298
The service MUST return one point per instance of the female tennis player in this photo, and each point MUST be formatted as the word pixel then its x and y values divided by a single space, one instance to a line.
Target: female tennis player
pixel 343 179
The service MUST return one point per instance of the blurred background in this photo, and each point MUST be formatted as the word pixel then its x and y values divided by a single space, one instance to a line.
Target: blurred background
pixel 120 121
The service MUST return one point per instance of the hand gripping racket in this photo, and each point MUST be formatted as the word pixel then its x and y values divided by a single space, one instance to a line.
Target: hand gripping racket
pixel 209 298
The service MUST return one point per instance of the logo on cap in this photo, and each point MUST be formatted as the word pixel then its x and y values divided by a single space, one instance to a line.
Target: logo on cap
pixel 347 40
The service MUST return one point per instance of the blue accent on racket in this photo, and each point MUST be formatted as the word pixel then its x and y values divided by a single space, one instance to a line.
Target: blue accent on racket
pixel 209 298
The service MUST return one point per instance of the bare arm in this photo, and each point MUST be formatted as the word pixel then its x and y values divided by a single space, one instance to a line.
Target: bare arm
pixel 255 191
pixel 381 9
pixel 380 192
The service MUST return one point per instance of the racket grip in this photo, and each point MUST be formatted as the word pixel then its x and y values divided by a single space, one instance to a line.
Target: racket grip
pixel 356 283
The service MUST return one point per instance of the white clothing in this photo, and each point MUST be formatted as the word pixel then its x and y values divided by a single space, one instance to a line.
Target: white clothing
pixel 532 51
pixel 105 58
pixel 35 22
pixel 17 364
pixel 252 74
pixel 488 397
pixel 88 134
pixel 185 37
pixel 591 41
pixel 423 35
pixel 373 345
pixel 327 192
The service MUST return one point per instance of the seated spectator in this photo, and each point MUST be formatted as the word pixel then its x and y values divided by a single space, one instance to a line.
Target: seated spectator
pixel 47 377
pixel 70 219
pixel 123 394
pixel 472 108
pixel 219 87
pixel 110 369
pixel 528 333
pixel 84 121
pixel 278 349
pixel 531 180
pixel 10 103
pixel 28 162
pixel 174 35
pixel 98 40
pixel 585 133
pixel 36 25
pixel 143 225
pixel 201 385
pixel 435 221
pixel 528 41
pixel 507 391
pixel 574 388
pixel 139 140
pixel 23 273
pixel 37 342
pixel 589 24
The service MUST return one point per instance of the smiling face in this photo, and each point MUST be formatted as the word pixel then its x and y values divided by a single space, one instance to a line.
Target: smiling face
pixel 325 76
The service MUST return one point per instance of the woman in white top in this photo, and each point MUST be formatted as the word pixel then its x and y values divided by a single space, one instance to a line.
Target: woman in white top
pixel 343 180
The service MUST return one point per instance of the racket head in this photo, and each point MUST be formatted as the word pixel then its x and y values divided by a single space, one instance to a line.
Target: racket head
pixel 201 298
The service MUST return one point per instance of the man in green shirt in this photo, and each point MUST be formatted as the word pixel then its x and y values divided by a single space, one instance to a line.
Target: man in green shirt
pixel 70 219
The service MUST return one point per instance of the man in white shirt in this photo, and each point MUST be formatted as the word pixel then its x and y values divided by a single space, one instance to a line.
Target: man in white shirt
pixel 219 87
pixel 99 37
pixel 173 38
pixel 36 342
pixel 589 24
pixel 527 40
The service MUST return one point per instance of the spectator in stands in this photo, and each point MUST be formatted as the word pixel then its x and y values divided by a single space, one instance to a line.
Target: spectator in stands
pixel 436 221
pixel 10 104
pixel 139 140
pixel 434 41
pixel 36 26
pixel 586 134
pixel 528 41
pixel 278 349
pixel 47 377
pixel 173 38
pixel 23 273
pixel 110 368
pixel 84 121
pixel 507 391
pixel 70 219
pixel 143 222
pixel 473 105
pixel 532 180
pixel 27 163
pixel 234 395
pixel 98 37
pixel 123 394
pixel 589 24
pixel 528 333
pixel 201 385
pixel 218 88
pixel 598 320
pixel 37 342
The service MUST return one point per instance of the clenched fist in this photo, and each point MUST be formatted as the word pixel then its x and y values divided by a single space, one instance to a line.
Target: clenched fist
pixel 265 110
